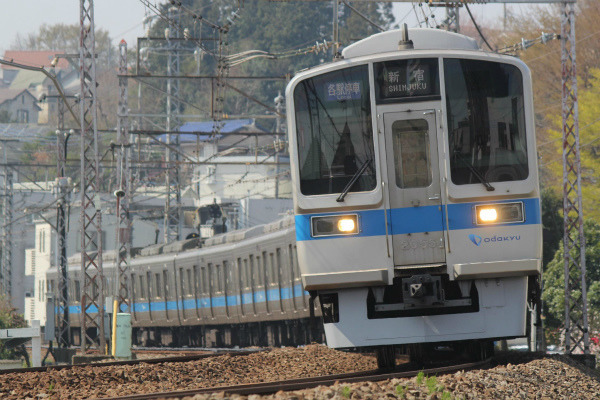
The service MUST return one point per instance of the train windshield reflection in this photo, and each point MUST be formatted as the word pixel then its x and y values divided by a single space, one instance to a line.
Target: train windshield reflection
pixel 486 121
pixel 335 136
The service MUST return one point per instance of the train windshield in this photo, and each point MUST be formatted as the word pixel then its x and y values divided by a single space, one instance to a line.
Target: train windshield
pixel 486 121
pixel 334 132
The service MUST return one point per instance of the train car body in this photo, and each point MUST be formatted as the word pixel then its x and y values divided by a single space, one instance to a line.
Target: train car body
pixel 416 190
pixel 241 288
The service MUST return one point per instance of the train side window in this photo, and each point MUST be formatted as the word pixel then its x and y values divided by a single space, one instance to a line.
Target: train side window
pixel 218 278
pixel 210 279
pixel 296 261
pixel 240 274
pixel 411 153
pixel 78 291
pixel 195 269
pixel 273 273
pixel 225 276
pixel 259 271
pixel 157 283
pixel 252 269
pixel 149 283
pixel 292 266
pixel 190 282
pixel 246 273
pixel 141 283
pixel 204 280
pixel 278 259
pixel 264 268
pixel 182 281
pixel 166 283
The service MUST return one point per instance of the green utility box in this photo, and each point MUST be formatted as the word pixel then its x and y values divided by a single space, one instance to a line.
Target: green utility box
pixel 123 335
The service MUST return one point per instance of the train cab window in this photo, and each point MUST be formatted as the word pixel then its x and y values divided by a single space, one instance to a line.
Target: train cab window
pixel 335 135
pixel 486 121
pixel 411 153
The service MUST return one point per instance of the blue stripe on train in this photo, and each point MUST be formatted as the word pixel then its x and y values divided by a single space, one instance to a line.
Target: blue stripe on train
pixel 417 219
pixel 205 302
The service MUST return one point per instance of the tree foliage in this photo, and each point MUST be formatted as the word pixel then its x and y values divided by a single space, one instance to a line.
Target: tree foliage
pixel 554 285
pixel 9 319
pixel 273 27
pixel 63 37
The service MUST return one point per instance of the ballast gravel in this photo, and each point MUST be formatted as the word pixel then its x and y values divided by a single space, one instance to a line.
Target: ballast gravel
pixel 532 377
pixel 106 381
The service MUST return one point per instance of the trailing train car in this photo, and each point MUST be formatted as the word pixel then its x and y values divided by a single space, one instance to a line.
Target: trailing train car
pixel 416 193
pixel 241 288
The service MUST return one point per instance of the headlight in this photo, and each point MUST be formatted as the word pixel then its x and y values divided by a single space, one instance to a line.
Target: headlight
pixel 330 225
pixel 502 213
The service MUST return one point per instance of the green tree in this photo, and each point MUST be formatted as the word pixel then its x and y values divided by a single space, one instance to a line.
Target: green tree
pixel 554 294
pixel 9 319
pixel 552 223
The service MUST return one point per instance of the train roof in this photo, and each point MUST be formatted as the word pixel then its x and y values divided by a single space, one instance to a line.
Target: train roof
pixel 422 38
pixel 110 256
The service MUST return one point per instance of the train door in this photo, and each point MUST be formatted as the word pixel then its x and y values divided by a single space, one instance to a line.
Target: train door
pixel 414 187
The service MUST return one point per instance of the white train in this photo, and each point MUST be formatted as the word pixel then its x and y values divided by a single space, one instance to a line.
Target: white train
pixel 416 193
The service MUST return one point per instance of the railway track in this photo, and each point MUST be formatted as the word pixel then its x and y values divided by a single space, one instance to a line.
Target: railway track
pixel 265 388
pixel 155 360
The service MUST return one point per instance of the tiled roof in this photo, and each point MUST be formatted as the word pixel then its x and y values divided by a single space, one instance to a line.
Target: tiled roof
pixel 26 79
pixel 204 129
pixel 35 58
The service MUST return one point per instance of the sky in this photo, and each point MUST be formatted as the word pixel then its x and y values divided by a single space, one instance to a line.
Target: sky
pixel 123 18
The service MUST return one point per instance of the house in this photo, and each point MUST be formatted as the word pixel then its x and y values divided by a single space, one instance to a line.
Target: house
pixel 18 105
pixel 37 83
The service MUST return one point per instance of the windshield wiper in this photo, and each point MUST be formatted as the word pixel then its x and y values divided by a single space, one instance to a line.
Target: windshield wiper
pixel 355 177
pixel 487 185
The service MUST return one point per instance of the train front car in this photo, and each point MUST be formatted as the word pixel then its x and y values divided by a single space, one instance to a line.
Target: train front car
pixel 416 192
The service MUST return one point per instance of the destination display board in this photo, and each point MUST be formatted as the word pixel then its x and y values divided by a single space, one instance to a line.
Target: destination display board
pixel 407 79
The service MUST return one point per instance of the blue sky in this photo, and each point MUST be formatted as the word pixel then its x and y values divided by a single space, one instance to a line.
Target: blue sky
pixel 123 18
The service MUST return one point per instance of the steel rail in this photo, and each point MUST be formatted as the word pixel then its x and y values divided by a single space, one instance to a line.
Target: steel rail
pixel 265 388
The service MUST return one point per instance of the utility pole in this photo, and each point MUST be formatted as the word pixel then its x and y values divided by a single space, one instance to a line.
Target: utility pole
pixel 123 191
pixel 577 338
pixel 92 275
pixel 7 210
pixel 173 220
pixel 63 325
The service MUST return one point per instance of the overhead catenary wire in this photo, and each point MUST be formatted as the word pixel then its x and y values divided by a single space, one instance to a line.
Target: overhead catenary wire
pixel 477 27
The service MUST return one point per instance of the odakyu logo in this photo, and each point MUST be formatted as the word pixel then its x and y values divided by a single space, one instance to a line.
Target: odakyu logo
pixel 478 240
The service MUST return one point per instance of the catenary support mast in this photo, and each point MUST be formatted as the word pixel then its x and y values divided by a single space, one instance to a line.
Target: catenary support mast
pixel 577 337
pixel 123 191
pixel 92 276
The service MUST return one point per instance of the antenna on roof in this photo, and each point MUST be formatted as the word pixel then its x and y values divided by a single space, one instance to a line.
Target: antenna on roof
pixel 405 43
